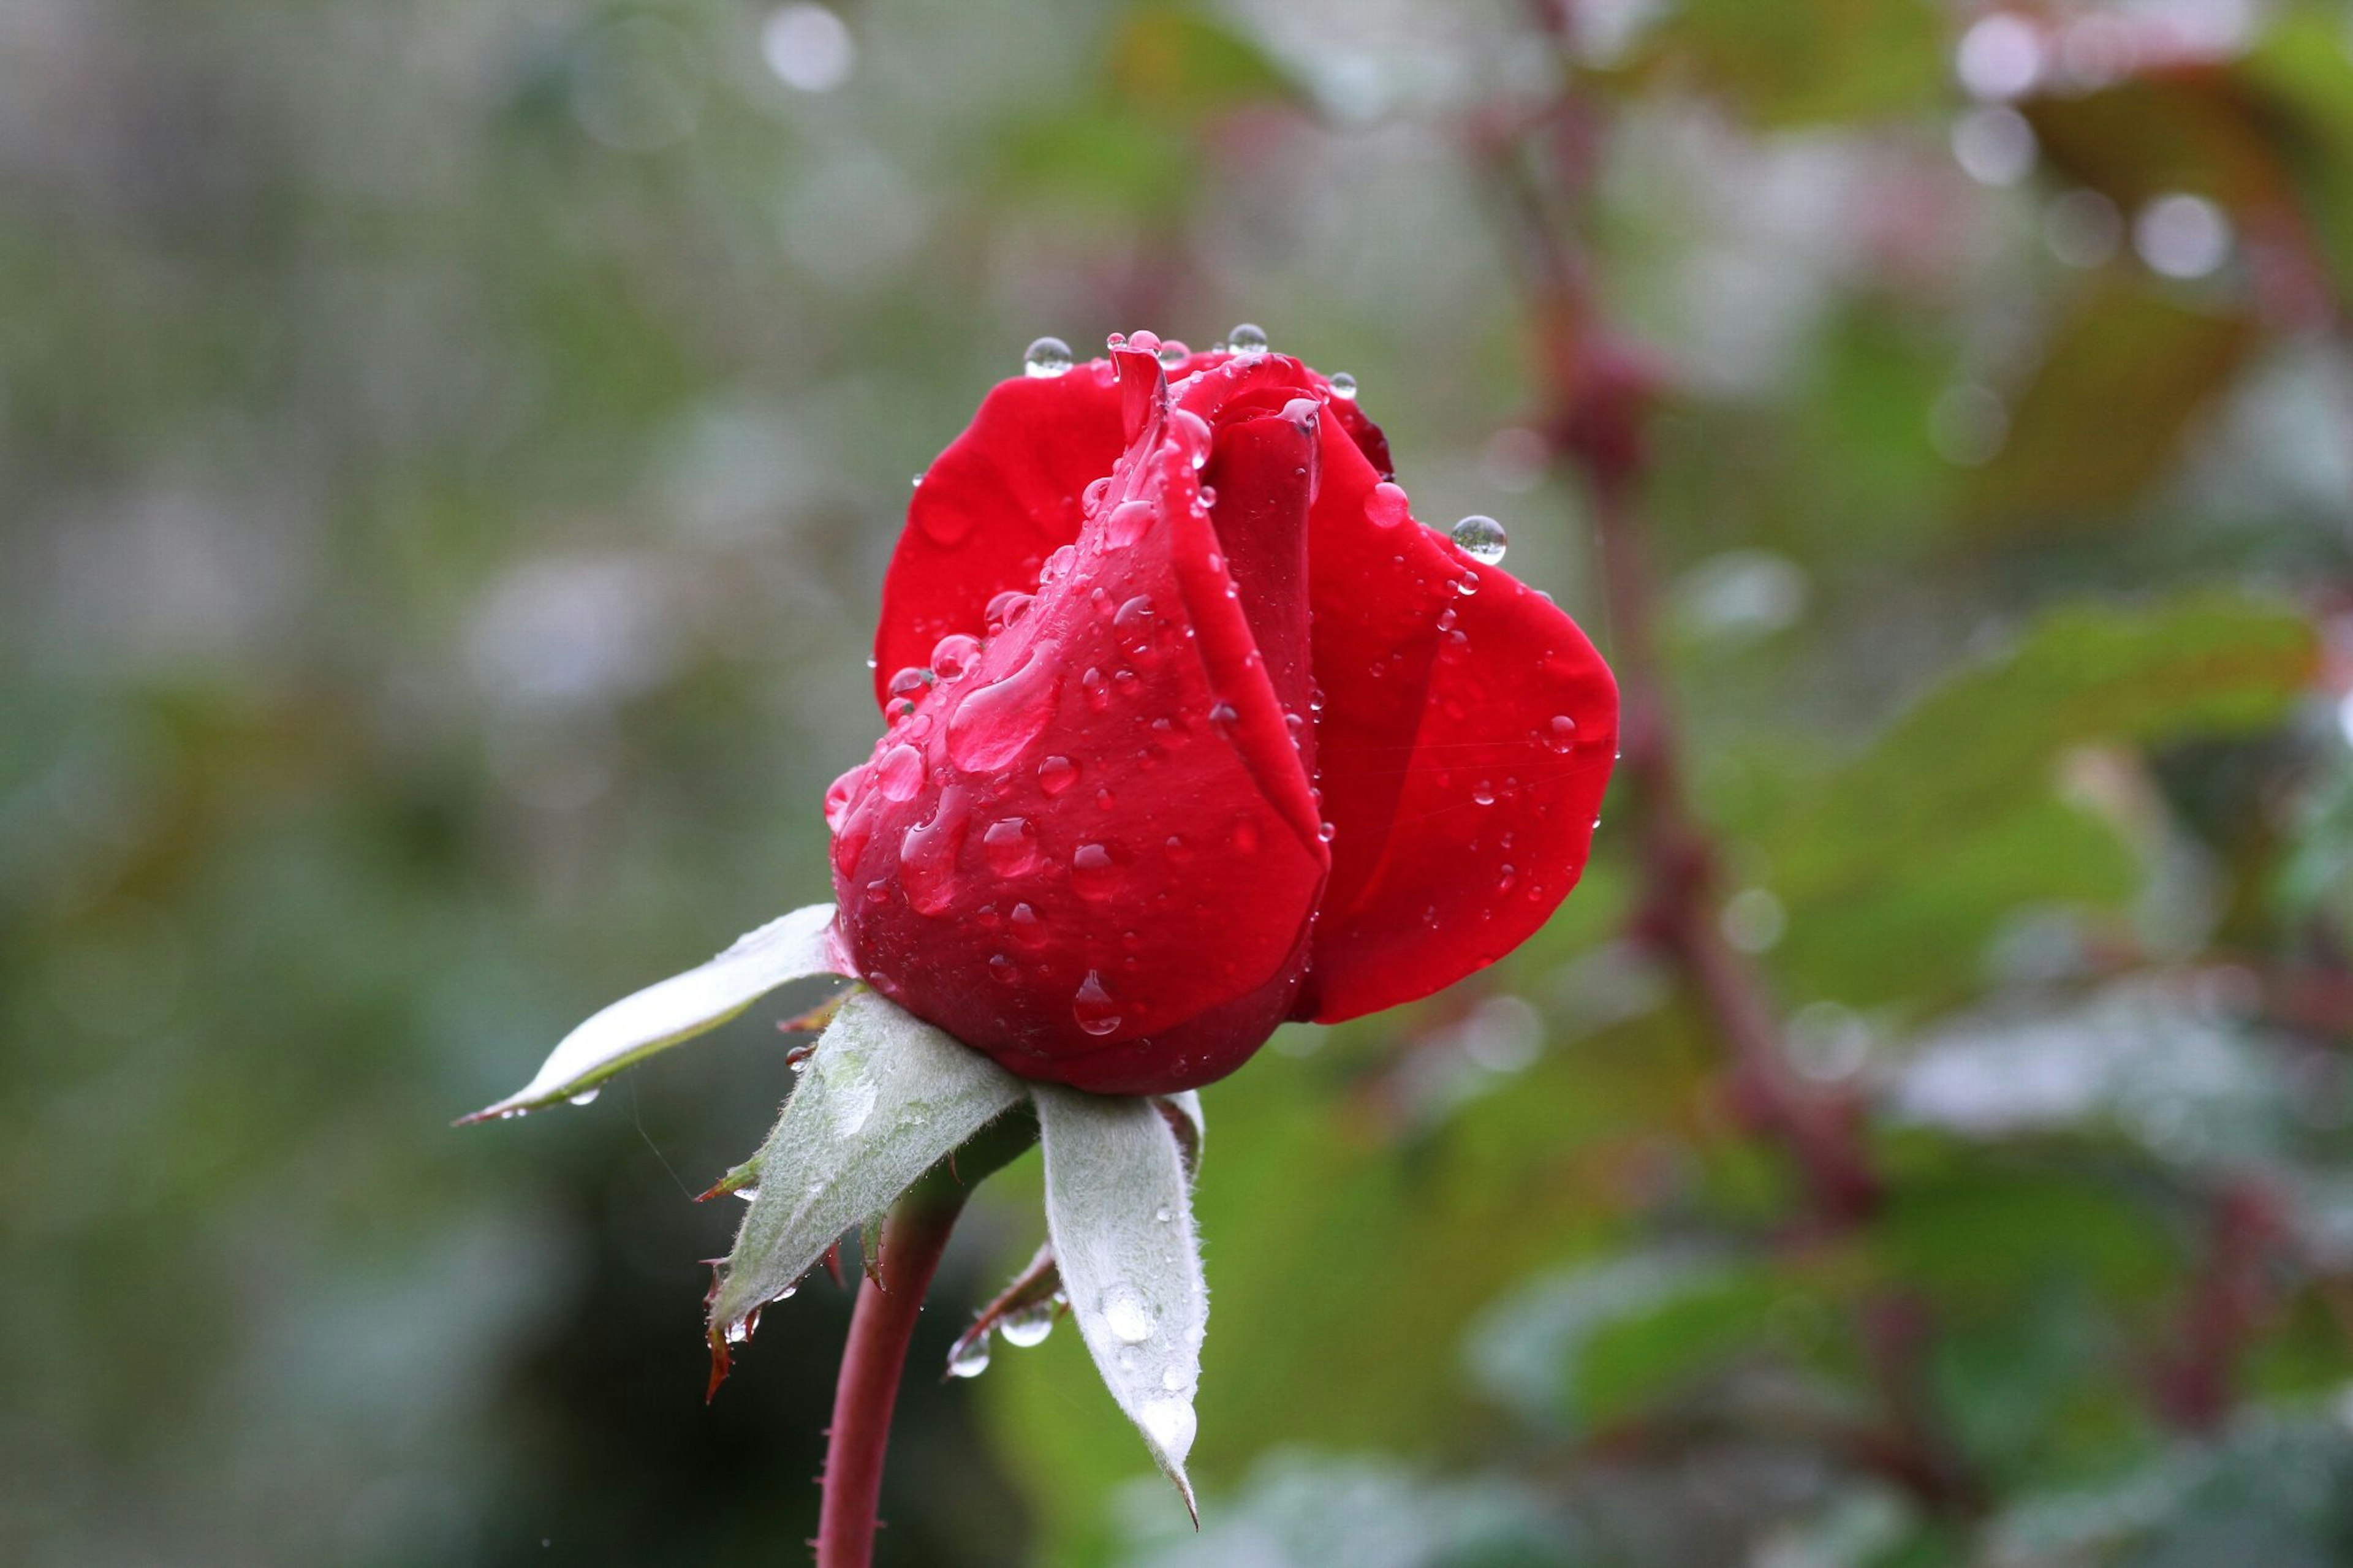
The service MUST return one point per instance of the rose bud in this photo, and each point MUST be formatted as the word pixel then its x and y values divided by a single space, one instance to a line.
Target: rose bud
pixel 1193 730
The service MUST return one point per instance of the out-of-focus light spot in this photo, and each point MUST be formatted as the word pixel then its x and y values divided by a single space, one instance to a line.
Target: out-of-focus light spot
pixel 2097 49
pixel 809 47
pixel 2082 229
pixel 1503 1034
pixel 1740 593
pixel 1968 424
pixel 1754 919
pixel 2345 717
pixel 634 86
pixel 1827 1042
pixel 2001 57
pixel 2182 236
pixel 1994 145
pixel 1513 459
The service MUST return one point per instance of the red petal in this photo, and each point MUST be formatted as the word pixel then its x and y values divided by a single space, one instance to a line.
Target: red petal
pixel 1004 496
pixel 1465 740
pixel 1009 492
pixel 1058 886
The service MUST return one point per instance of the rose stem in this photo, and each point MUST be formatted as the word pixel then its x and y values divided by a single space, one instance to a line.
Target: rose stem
pixel 880 1326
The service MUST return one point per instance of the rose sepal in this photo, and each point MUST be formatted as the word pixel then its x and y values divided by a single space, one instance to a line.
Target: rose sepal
pixel 791 947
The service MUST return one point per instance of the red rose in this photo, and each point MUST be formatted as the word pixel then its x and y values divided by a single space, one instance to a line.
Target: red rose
pixel 1193 730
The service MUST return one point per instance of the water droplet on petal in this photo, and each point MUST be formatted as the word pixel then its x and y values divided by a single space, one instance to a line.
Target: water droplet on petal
pixel 1481 538
pixel 1223 712
pixel 1561 734
pixel 1027 927
pixel 1011 846
pixel 1046 357
pixel 1325 832
pixel 900 773
pixel 1249 338
pixel 1002 969
pixel 1133 627
pixel 1092 1006
pixel 927 854
pixel 953 655
pixel 1173 353
pixel 750 1194
pixel 993 726
pixel 1095 872
pixel 1387 506
pixel 1192 434
pixel 1483 793
pixel 910 682
pixel 585 1097
pixel 1007 608
pixel 1091 496
pixel 1344 385
pixel 1128 521
pixel 1025 1326
pixel 1126 1316
pixel 1055 774
pixel 1058 565
pixel 971 1357
pixel 1144 342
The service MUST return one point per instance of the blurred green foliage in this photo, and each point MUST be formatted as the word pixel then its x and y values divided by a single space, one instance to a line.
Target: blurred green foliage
pixel 447 456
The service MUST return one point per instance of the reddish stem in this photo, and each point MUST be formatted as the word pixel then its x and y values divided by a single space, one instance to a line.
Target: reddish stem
pixel 881 1327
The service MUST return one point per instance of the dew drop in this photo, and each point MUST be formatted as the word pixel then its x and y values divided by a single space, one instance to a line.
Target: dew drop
pixel 1091 496
pixel 910 682
pixel 1128 521
pixel 1325 832
pixel 1192 434
pixel 1249 338
pixel 1387 506
pixel 1094 872
pixel 1480 537
pixel 1093 1008
pixel 1058 565
pixel 750 1194
pixel 953 655
pixel 1055 774
pixel 1173 353
pixel 1344 385
pixel 1006 609
pixel 1011 846
pixel 900 775
pixel 993 726
pixel 1223 712
pixel 1133 625
pixel 585 1097
pixel 1027 927
pixel 927 854
pixel 1002 969
pixel 1561 734
pixel 971 1357
pixel 1484 793
pixel 1046 357
pixel 1025 1326
pixel 1126 1316
pixel 1170 1424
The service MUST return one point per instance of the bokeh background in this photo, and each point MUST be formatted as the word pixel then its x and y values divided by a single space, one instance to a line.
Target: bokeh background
pixel 447 456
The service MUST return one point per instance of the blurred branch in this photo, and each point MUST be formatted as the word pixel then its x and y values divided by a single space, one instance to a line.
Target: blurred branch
pixel 2194 1386
pixel 1599 391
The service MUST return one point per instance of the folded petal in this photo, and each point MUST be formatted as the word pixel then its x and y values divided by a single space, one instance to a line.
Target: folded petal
pixel 1004 496
pixel 1043 858
pixel 1467 732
